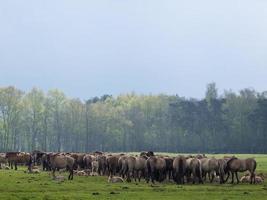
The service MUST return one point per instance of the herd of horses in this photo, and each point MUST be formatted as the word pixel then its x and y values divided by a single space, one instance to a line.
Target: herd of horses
pixel 181 169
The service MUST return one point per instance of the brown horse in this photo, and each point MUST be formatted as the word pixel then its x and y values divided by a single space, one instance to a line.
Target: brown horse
pixel 140 167
pixel 222 169
pixel 112 163
pixel 235 165
pixel 59 161
pixel 193 166
pixel 122 165
pixel 209 166
pixel 169 166
pixel 79 159
pixel 15 158
pixel 87 161
pixel 156 169
pixel 179 169
pixel 130 161
pixel 102 164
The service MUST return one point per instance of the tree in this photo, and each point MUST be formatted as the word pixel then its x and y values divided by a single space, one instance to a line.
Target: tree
pixel 57 102
pixel 10 107
pixel 34 110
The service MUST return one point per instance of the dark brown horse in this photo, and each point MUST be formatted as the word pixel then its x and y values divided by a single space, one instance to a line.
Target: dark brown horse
pixel 179 169
pixel 140 167
pixel 156 169
pixel 235 165
pixel 59 161
pixel 112 163
pixel 15 158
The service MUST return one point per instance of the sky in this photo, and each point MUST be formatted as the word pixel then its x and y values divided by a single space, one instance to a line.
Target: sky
pixel 90 48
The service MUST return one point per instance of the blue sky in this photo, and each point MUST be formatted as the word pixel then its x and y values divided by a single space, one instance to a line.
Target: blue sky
pixel 90 48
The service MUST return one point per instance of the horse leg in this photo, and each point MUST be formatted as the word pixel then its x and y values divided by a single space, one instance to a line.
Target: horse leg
pixel 228 175
pixel 16 168
pixel 120 173
pixel 140 174
pixel 53 172
pixel 194 177
pixel 204 176
pixel 209 177
pixel 232 177
pixel 212 177
pixel 237 177
pixel 200 177
pixel 135 172
pixel 71 174
pixel 252 177
pixel 152 176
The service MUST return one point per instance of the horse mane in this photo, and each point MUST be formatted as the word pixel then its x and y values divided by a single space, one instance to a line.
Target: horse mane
pixel 230 160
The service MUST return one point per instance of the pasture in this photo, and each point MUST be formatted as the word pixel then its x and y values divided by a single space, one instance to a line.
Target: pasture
pixel 21 185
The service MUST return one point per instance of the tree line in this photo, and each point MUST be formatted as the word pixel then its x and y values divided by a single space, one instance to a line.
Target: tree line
pixel 229 123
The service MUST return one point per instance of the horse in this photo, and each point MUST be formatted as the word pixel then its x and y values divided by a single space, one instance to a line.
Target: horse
pixel 222 169
pixel 122 165
pixel 112 163
pixel 130 162
pixel 58 161
pixel 156 169
pixel 193 165
pixel 235 165
pixel 14 158
pixel 179 169
pixel 140 167
pixel 209 166
pixel 87 161
pixel 102 164
pixel 169 166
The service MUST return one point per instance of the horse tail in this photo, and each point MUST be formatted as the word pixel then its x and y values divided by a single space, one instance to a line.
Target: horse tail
pixel 200 173
pixel 255 165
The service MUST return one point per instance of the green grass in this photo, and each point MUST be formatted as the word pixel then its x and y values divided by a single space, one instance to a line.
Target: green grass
pixel 20 185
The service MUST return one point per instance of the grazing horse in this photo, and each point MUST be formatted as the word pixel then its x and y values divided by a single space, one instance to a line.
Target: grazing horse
pixel 156 169
pixel 79 159
pixel 102 164
pixel 112 163
pixel 122 165
pixel 222 169
pixel 15 158
pixel 193 166
pixel 235 165
pixel 140 167
pixel 59 161
pixel 87 160
pixel 130 162
pixel 179 169
pixel 45 162
pixel 210 166
pixel 37 157
pixel 169 166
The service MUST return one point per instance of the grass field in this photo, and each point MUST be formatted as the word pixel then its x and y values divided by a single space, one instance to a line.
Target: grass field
pixel 20 185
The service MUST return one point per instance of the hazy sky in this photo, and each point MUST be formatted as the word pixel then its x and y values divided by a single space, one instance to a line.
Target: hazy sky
pixel 88 48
